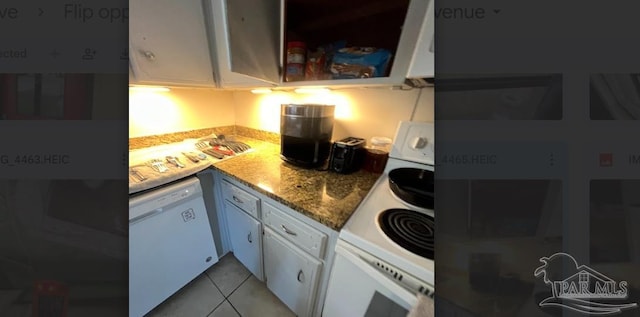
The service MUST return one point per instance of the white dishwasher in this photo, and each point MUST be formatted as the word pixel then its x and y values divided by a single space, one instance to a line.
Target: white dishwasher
pixel 170 243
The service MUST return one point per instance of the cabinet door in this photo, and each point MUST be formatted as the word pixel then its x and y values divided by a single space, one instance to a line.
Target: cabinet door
pixel 291 274
pixel 422 64
pixel 245 236
pixel 168 42
pixel 248 37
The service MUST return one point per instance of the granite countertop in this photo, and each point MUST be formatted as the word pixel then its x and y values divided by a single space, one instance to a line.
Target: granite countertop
pixel 326 197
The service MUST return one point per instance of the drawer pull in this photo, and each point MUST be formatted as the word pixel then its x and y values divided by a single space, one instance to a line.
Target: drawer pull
pixel 249 238
pixel 301 276
pixel 238 200
pixel 288 231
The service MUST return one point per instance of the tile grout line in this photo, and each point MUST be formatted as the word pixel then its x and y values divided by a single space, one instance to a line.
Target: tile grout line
pixel 219 290
pixel 241 283
pixel 214 284
pixel 214 309
pixel 234 308
pixel 234 290
pixel 226 297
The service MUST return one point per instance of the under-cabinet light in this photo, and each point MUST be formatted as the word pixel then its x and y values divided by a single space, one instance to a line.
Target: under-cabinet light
pixel 311 90
pixel 149 88
pixel 261 91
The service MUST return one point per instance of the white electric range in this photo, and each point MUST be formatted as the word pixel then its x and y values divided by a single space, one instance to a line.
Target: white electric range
pixel 385 251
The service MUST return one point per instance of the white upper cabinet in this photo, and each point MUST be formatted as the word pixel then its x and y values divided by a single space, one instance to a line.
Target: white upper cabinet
pixel 423 63
pixel 168 43
pixel 246 41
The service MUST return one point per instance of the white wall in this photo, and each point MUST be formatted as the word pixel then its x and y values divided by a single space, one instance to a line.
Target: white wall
pixel 360 112
pixel 180 109
pixel 425 106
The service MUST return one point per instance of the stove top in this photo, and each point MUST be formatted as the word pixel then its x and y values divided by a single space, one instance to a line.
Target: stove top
pixel 411 230
pixel 363 230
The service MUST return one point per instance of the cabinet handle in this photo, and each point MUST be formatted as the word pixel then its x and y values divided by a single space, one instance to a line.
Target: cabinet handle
pixel 288 231
pixel 238 200
pixel 249 238
pixel 149 55
pixel 301 276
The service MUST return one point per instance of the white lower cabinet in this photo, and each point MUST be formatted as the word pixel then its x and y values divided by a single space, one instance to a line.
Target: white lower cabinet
pixel 245 235
pixel 288 251
pixel 291 274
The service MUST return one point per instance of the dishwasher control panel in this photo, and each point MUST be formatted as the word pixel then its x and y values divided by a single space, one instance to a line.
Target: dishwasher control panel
pixel 173 197
pixel 156 200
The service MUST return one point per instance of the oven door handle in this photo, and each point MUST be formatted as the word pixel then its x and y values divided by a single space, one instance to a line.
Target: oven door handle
pixel 400 292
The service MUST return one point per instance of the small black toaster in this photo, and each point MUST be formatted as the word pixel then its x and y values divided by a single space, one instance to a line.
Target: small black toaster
pixel 347 155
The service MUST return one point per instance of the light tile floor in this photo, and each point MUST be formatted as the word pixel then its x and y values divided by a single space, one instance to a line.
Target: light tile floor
pixel 227 289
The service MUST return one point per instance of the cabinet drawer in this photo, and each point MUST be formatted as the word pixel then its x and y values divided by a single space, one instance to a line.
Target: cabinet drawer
pixel 302 235
pixel 241 199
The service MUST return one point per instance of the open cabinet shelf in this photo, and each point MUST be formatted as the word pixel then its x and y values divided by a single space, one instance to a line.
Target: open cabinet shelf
pixel 359 22
pixel 379 24
pixel 251 38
